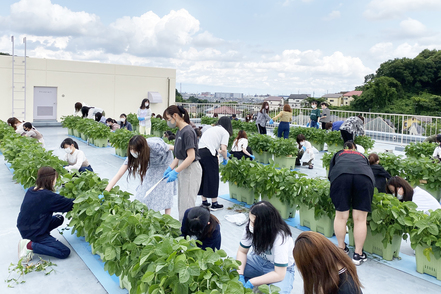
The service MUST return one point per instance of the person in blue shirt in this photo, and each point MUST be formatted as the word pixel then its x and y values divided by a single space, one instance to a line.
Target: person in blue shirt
pixel 36 220
pixel 334 126
pixel 200 223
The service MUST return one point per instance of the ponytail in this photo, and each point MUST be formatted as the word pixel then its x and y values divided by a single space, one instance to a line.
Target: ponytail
pixel 180 110
pixel 69 141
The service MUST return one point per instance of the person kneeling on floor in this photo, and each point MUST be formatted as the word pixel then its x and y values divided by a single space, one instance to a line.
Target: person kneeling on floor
pixel 36 220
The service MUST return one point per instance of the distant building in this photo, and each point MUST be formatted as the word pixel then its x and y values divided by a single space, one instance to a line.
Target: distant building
pixel 416 130
pixel 224 111
pixel 334 99
pixel 347 97
pixel 295 100
pixel 228 95
pixel 274 102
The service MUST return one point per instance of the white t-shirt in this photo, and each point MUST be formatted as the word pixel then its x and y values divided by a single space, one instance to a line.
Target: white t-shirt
pixel 213 138
pixel 241 144
pixel 280 254
pixel 76 160
pixel 424 200
pixel 437 152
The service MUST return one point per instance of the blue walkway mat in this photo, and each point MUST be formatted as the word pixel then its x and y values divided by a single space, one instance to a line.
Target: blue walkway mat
pixel 405 263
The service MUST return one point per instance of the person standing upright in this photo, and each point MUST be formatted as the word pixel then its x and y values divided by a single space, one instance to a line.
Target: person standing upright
pixel 326 115
pixel 262 118
pixel 144 117
pixel 314 117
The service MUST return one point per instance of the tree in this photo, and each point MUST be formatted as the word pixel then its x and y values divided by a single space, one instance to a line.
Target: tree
pixel 3 53
pixel 179 97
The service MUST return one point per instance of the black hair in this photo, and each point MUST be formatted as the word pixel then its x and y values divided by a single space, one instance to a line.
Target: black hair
pixel 110 120
pixel 300 138
pixel 78 106
pixel 138 165
pixel 27 125
pixel 69 141
pixel 123 114
pixel 180 110
pixel 268 224
pixel 361 117
pixel 398 182
pixel 225 122
pixel 197 222
pixel 143 103
pixel 438 138
pixel 349 145
pixel 314 102
pixel 98 116
pixel 85 111
pixel 324 103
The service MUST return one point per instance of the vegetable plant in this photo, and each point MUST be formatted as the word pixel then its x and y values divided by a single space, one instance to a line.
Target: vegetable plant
pixel 206 120
pixel 416 149
pixel 365 141
pixel 426 232
pixel 284 147
pixel 333 137
pixel 120 138
pixel 316 196
pixel 260 143
pixel 133 119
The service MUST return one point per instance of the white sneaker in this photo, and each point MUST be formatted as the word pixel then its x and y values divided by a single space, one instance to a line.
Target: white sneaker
pixel 24 253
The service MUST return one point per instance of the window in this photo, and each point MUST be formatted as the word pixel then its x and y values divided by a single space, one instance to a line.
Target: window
pixel 332 100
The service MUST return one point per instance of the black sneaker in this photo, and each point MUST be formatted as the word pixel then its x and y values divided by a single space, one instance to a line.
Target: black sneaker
pixel 359 259
pixel 216 206
pixel 205 204
pixel 346 250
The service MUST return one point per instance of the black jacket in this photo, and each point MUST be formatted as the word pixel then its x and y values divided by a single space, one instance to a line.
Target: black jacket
pixel 349 162
pixel 381 175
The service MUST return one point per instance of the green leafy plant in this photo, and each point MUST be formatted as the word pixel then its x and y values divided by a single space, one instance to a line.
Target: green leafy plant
pixel 316 196
pixel 365 141
pixel 427 232
pixel 236 171
pixel 284 147
pixel 326 159
pixel 99 131
pixel 120 138
pixel 260 143
pixel 206 120
pixel 45 266
pixel 133 119
pixel 416 149
pixel 70 121
pixel 334 137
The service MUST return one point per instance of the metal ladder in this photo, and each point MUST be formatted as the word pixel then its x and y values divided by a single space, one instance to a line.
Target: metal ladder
pixel 19 83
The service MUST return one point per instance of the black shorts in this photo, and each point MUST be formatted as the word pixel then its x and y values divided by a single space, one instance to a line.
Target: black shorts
pixel 352 191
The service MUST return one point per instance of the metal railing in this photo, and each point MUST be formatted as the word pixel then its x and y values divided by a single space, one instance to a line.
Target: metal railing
pixel 395 128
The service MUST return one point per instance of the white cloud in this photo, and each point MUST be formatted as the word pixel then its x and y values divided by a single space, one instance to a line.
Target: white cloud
pixel 389 9
pixel 413 27
pixel 206 39
pixel 333 15
pixel 382 52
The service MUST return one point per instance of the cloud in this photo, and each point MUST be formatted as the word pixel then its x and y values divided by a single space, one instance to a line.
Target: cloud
pixel 412 27
pixel 333 15
pixel 206 39
pixel 288 2
pixel 390 9
pixel 382 52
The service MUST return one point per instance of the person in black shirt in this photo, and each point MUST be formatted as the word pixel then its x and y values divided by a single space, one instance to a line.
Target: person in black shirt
pixel 352 186
pixel 324 267
pixel 199 222
pixel 36 220
pixel 380 174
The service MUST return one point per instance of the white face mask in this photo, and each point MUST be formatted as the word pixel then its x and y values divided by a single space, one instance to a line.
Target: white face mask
pixel 314 106
pixel 134 154
pixel 266 107
pixel 251 228
pixel 301 143
pixel 67 150
pixel 122 119
pixel 146 105
pixel 400 196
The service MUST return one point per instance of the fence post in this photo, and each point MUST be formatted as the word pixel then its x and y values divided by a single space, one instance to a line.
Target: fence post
pixel 402 129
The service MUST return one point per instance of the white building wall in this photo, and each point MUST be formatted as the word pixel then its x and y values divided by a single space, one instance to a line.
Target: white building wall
pixel 115 88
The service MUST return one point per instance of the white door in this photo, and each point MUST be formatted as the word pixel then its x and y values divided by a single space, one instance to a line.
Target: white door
pixel 45 103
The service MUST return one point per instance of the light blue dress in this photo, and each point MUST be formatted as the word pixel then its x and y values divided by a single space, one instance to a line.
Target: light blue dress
pixel 160 158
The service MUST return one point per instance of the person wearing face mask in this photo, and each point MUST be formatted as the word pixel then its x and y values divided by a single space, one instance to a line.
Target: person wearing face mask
pixel 263 118
pixel 124 123
pixel 314 117
pixel 36 218
pixel 437 152
pixel 112 124
pixel 199 223
pixel 74 156
pixel 144 117
pixel 185 167
pixel 352 186
pixel 32 132
pixel 306 152
pixel 404 192
pixel 271 261
pixel 148 159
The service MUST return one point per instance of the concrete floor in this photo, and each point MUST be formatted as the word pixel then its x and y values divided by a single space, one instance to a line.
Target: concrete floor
pixel 73 276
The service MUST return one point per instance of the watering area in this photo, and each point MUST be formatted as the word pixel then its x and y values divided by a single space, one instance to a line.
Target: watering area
pixel 83 272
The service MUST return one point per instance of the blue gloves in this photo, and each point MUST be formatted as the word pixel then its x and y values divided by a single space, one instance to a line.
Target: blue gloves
pixel 167 171
pixel 141 118
pixel 225 161
pixel 248 285
pixel 172 176
pixel 252 157
pixel 242 280
pixel 304 148
pixel 271 122
pixel 228 154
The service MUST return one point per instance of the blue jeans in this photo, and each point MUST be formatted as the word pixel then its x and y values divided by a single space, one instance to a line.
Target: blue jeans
pixel 314 124
pixel 48 245
pixel 84 168
pixel 283 128
pixel 257 266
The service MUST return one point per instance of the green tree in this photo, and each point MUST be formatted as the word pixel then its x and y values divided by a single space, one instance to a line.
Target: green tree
pixel 378 93
pixel 179 97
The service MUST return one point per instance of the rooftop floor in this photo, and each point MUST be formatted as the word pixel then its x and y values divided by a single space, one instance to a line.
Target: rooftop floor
pixel 74 276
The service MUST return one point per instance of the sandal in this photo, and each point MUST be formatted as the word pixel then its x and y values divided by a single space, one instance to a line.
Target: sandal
pixel 311 166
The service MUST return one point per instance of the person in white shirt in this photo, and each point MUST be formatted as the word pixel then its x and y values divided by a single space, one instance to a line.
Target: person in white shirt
pixel 271 261
pixel 74 156
pixel 437 151
pixel 32 132
pixel 306 151
pixel 17 125
pixel 404 192
pixel 240 146
pixel 211 140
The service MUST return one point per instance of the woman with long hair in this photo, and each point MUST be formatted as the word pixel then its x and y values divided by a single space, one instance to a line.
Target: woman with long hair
pixel 112 124
pixel 145 117
pixel 148 159
pixel 380 174
pixel 17 125
pixel 285 118
pixel 186 163
pixel 262 118
pixel 200 223
pixel 324 267
pixel 352 187
pixel 74 156
pixel 213 139
pixel 271 261
pixel 240 146
pixel 36 218
pixel 401 189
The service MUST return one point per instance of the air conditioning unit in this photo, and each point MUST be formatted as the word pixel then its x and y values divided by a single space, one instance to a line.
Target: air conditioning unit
pixel 154 97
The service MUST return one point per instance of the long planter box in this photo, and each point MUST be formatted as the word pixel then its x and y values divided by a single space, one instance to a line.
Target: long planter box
pixel 424 266
pixel 374 244
pixel 287 162
pixel 335 147
pixel 76 133
pixel 324 224
pixel 100 142
pixel 70 132
pixel 241 193
pixel 318 146
pixel 285 210
pixel 84 137
pixel 124 283
pixel 121 152
pixel 263 157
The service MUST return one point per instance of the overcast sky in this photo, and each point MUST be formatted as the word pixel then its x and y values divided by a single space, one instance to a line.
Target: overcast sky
pixel 251 47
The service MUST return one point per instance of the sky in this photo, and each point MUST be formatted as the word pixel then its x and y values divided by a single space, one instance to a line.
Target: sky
pixel 251 47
